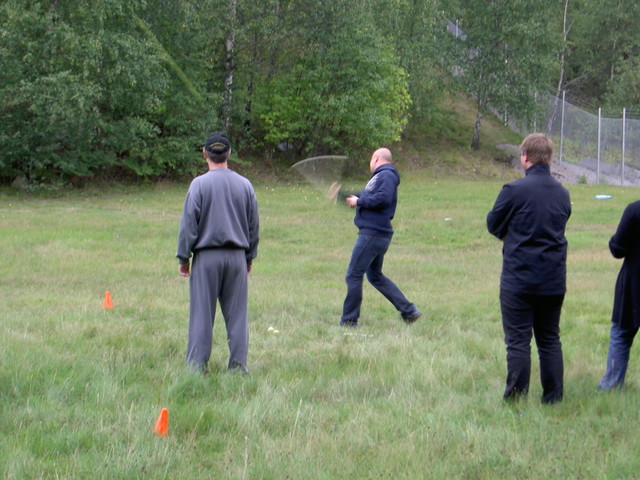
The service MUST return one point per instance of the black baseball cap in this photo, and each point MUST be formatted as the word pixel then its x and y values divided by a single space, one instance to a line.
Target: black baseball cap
pixel 217 143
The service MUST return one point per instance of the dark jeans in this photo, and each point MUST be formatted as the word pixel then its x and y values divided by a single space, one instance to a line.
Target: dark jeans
pixel 367 258
pixel 618 356
pixel 523 314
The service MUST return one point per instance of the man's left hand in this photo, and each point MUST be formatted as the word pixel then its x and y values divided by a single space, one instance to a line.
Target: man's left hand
pixel 183 268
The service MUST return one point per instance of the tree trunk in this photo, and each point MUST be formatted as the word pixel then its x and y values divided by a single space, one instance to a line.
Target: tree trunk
pixel 565 34
pixel 166 56
pixel 229 66
pixel 249 102
pixel 475 143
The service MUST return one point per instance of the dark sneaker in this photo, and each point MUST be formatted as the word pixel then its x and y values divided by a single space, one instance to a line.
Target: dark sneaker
pixel 409 319
pixel 349 323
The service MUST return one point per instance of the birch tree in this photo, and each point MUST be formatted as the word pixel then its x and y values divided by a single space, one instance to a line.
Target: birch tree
pixel 507 57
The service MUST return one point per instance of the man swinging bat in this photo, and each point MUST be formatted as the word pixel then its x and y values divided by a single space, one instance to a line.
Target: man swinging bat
pixel 375 208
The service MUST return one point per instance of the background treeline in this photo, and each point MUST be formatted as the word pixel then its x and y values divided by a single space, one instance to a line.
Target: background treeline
pixel 131 87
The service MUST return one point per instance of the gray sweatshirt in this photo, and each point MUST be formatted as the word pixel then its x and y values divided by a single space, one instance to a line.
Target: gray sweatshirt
pixel 220 211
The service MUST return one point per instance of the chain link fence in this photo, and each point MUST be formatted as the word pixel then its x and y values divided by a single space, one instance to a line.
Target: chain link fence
pixel 606 145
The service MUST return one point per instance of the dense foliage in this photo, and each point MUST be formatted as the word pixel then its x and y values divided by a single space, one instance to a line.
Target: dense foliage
pixel 603 45
pixel 506 56
pixel 132 87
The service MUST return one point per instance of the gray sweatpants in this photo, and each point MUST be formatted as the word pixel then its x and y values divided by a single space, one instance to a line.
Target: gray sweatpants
pixel 218 275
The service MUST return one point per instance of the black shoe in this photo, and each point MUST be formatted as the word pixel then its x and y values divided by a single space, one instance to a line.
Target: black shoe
pixel 349 323
pixel 412 318
pixel 202 368
pixel 235 367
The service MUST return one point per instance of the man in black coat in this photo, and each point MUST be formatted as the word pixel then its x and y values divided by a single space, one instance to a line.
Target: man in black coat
pixel 625 318
pixel 530 216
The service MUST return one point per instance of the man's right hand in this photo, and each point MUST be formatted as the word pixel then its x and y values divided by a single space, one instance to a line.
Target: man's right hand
pixel 352 201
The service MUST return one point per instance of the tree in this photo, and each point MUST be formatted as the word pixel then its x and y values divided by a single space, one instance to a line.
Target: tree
pixel 562 60
pixel 624 90
pixel 335 85
pixel 507 56
pixel 135 85
pixel 416 29
pixel 79 88
pixel 606 35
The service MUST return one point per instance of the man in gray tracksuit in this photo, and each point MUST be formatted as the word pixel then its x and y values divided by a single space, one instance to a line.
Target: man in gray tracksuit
pixel 220 227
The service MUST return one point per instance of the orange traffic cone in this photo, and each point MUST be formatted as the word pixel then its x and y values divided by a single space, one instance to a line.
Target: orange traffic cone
pixel 162 424
pixel 108 303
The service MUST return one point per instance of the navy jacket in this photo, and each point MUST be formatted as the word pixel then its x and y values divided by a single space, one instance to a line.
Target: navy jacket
pixel 530 216
pixel 377 202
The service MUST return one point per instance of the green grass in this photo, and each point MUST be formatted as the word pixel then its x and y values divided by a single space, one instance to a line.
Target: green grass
pixel 81 387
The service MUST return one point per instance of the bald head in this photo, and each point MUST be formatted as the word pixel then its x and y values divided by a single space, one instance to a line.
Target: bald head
pixel 380 157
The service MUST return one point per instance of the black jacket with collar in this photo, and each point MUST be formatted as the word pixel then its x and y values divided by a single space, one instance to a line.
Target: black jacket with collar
pixel 625 243
pixel 530 216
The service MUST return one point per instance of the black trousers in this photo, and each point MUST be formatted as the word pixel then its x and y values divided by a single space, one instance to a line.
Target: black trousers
pixel 522 315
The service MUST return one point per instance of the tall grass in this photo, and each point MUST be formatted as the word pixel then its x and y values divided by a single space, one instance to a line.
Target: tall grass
pixel 81 386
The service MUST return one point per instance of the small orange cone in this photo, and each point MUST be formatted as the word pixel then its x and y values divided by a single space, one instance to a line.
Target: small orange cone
pixel 162 424
pixel 108 303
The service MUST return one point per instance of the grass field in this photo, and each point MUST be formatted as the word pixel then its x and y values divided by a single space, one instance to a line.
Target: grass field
pixel 81 386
